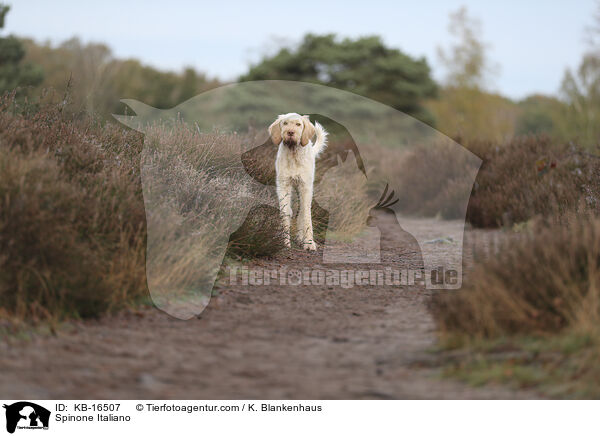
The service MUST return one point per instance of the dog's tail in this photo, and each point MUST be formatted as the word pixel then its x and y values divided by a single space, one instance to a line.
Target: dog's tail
pixel 321 142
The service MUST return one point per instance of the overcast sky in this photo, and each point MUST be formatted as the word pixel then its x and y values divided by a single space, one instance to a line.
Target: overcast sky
pixel 531 41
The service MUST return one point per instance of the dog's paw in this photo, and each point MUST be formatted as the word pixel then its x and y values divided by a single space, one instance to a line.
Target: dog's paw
pixel 310 246
pixel 287 243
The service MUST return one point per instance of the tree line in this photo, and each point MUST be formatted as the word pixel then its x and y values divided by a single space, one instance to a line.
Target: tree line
pixel 462 106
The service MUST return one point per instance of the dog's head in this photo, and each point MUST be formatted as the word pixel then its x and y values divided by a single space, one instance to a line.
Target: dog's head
pixel 293 129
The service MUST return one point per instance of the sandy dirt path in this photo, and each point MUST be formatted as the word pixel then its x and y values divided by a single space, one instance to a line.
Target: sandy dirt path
pixel 273 342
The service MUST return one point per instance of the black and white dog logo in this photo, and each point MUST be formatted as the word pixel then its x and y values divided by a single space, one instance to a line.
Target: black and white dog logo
pixel 26 415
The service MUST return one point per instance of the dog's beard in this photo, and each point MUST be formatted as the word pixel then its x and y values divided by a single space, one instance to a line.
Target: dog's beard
pixel 291 143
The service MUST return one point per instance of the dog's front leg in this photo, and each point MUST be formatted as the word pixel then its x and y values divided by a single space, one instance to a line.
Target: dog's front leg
pixel 305 230
pixel 284 194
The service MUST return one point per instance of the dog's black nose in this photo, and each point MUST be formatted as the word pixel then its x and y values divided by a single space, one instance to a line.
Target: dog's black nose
pixel 290 133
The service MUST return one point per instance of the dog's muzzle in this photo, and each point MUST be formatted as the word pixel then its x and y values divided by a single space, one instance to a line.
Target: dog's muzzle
pixel 290 141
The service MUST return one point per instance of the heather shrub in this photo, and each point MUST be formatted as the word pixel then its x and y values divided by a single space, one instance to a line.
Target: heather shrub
pixel 425 170
pixel 260 235
pixel 75 227
pixel 544 282
pixel 194 188
pixel 529 177
pixel 71 217
pixel 525 178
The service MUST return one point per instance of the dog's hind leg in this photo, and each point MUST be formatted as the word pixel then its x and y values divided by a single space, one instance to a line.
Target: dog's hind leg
pixel 284 194
pixel 305 230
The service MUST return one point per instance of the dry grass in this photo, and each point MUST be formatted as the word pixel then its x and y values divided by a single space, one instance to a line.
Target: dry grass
pixel 343 192
pixel 72 218
pixel 77 240
pixel 530 315
pixel 526 178
pixel 545 282
pixel 425 170
pixel 560 366
pixel 531 177
pixel 195 193
pixel 72 223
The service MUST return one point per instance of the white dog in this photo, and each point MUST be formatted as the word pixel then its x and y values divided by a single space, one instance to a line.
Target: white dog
pixel 295 167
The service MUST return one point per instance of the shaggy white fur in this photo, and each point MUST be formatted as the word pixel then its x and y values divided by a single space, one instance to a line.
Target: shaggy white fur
pixel 295 167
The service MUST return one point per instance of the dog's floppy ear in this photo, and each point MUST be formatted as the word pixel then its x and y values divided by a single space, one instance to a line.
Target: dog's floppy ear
pixel 275 132
pixel 308 132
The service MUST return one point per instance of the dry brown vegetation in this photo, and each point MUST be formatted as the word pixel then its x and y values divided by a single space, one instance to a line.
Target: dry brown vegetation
pixel 74 226
pixel 71 216
pixel 73 223
pixel 195 193
pixel 544 282
pixel 529 177
pixel 532 177
pixel 529 315
pixel 425 170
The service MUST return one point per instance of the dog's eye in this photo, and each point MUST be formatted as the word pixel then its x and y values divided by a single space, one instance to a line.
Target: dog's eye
pixel 285 123
pixel 297 124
